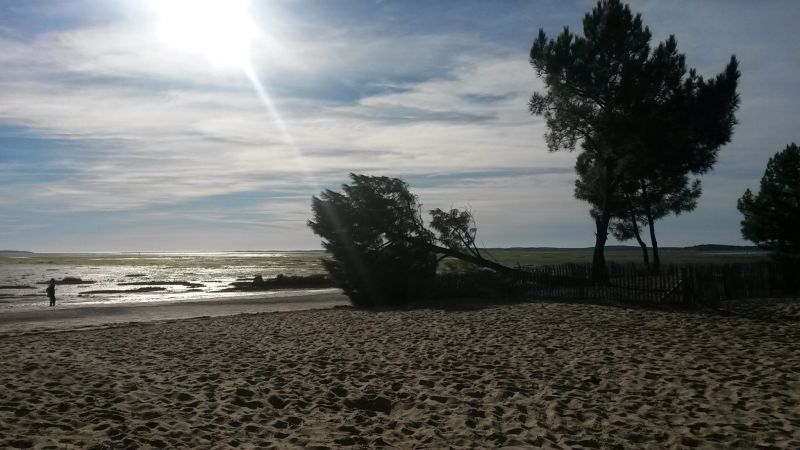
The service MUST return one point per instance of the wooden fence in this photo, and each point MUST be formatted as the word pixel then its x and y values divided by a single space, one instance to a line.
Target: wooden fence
pixel 685 285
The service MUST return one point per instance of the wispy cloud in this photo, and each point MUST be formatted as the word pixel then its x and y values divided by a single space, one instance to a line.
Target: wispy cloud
pixel 130 130
pixel 157 142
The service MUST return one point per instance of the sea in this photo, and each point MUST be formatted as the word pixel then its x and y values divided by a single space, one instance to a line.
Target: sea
pixel 141 278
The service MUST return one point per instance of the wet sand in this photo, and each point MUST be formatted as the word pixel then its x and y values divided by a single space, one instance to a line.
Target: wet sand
pixel 537 375
pixel 70 317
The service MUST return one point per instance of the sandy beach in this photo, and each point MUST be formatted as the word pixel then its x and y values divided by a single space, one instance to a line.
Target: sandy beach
pixel 534 375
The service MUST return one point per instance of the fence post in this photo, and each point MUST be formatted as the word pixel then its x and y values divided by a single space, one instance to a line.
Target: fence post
pixel 685 289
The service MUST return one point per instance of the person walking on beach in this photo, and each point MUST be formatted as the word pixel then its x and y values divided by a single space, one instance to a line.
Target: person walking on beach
pixel 51 291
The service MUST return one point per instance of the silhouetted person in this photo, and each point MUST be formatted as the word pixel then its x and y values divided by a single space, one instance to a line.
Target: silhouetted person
pixel 51 291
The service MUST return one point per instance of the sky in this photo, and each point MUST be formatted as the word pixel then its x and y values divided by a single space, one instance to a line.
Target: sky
pixel 179 125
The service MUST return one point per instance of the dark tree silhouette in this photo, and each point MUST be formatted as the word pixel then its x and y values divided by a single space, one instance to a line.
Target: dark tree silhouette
pixel 636 116
pixel 647 203
pixel 678 127
pixel 382 253
pixel 369 230
pixel 627 228
pixel 772 217
pixel 591 83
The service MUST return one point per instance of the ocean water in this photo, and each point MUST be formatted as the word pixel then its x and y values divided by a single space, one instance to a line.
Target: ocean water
pixel 23 276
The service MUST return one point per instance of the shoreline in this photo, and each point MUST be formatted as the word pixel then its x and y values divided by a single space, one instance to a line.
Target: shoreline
pixel 47 319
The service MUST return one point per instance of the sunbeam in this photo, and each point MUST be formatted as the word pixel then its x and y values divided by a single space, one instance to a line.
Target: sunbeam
pixel 287 137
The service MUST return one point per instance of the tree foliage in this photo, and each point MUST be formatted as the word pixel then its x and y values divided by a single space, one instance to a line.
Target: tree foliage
pixel 638 118
pixel 678 132
pixel 382 253
pixel 455 229
pixel 369 229
pixel 772 217
pixel 593 83
pixel 645 202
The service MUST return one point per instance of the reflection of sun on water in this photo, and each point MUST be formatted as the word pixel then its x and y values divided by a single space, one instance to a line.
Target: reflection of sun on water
pixel 220 30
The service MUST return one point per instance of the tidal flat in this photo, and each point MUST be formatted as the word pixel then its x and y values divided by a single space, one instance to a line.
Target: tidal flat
pixel 183 276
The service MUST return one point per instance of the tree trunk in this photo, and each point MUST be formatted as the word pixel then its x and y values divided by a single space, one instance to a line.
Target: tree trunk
pixel 599 269
pixel 656 260
pixel 478 261
pixel 642 244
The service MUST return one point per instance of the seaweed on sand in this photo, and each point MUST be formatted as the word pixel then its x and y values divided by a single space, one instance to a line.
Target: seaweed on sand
pixel 123 291
pixel 162 283
pixel 282 282
pixel 69 280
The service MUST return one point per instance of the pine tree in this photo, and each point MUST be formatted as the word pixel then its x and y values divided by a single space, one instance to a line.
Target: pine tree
pixel 634 113
pixel 772 217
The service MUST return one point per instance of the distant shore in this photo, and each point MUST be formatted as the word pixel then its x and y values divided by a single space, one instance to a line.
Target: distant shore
pixel 531 375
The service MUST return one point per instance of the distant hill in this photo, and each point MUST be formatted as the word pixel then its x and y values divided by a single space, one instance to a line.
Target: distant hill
pixel 562 249
pixel 699 248
pixel 723 248
pixel 14 253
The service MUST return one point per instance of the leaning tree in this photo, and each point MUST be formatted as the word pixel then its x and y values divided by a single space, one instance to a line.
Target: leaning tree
pixel 368 229
pixel 381 251
pixel 772 217
pixel 605 90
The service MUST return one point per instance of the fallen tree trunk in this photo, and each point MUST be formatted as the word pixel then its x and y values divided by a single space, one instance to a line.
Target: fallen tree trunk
pixel 478 261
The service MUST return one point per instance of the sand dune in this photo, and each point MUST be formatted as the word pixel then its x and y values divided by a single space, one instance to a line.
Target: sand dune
pixel 540 375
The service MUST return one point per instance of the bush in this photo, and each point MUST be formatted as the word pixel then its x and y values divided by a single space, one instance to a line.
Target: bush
pixel 383 278
pixel 477 283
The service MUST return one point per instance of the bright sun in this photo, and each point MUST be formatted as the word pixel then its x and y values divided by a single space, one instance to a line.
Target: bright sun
pixel 220 30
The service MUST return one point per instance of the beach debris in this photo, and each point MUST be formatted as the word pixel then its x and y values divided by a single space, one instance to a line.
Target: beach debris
pixel 69 280
pixel 162 283
pixel 4 296
pixel 123 291
pixel 73 280
pixel 282 282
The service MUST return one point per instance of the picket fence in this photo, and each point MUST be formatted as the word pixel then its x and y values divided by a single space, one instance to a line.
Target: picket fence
pixel 684 285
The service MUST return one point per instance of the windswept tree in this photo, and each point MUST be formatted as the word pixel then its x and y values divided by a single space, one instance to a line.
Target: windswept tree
pixel 382 253
pixel 369 229
pixel 632 111
pixel 772 217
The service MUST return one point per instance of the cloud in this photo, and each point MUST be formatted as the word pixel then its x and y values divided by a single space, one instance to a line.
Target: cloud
pixel 159 142
pixel 439 100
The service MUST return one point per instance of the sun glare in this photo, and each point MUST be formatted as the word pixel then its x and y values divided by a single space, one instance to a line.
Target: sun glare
pixel 220 30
